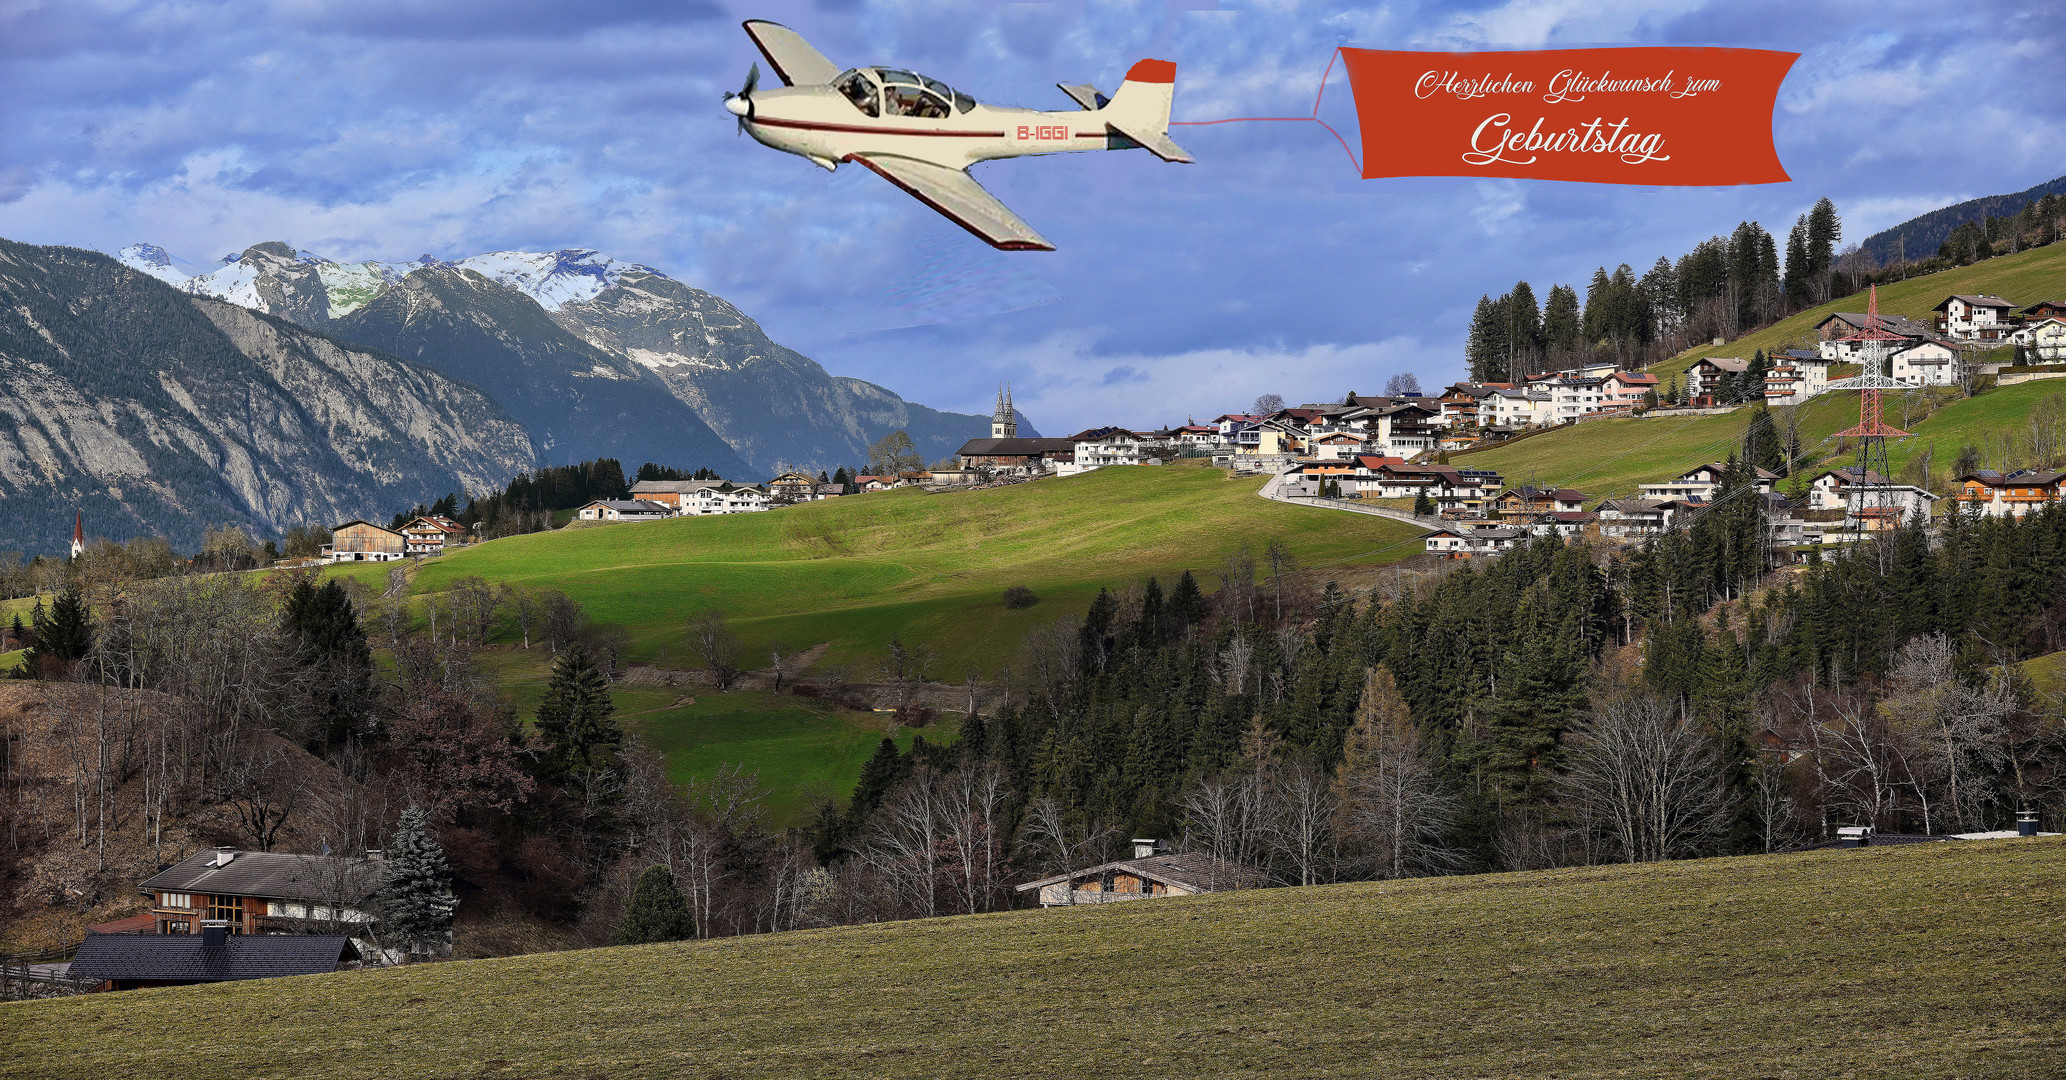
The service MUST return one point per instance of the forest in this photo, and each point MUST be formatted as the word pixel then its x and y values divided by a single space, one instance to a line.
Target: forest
pixel 1564 704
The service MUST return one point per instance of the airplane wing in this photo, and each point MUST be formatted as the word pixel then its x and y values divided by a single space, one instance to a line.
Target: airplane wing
pixel 790 55
pixel 956 194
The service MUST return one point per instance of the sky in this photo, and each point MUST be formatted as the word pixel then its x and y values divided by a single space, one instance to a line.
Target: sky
pixel 387 129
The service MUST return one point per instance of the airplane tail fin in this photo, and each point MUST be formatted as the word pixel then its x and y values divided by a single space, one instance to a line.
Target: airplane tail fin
pixel 1139 109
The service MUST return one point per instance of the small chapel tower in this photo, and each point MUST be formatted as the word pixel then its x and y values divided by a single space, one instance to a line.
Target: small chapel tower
pixel 78 534
pixel 1004 424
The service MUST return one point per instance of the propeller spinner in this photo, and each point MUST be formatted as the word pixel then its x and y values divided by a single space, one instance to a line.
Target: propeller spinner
pixel 741 103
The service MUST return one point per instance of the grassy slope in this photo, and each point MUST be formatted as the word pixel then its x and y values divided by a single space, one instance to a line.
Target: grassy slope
pixel 1939 960
pixel 2025 277
pixel 930 568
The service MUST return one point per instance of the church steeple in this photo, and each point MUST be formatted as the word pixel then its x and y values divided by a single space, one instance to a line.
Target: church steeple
pixel 78 534
pixel 1004 424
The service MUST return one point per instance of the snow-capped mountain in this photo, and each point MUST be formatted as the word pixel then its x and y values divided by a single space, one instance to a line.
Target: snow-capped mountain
pixel 153 260
pixel 772 405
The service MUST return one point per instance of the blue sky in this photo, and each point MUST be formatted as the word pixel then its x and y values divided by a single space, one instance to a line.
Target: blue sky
pixel 392 128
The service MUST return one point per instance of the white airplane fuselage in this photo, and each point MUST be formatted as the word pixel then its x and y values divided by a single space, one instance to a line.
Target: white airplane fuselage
pixel 819 123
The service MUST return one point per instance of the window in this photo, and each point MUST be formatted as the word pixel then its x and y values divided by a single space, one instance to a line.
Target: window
pixel 860 90
pixel 906 94
pixel 227 907
pixel 175 900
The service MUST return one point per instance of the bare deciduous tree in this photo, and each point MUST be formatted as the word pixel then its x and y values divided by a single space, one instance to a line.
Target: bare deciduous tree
pixel 1396 805
pixel 1649 777
pixel 718 647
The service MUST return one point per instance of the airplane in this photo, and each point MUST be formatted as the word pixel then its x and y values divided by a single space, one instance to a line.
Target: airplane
pixel 922 135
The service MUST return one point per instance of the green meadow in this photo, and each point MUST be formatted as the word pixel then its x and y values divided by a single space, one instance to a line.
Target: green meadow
pixel 851 573
pixel 1925 961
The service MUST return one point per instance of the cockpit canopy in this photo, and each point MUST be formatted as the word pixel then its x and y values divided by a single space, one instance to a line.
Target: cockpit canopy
pixel 896 92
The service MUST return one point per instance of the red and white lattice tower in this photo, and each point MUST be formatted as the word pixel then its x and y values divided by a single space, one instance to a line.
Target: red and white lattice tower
pixel 1871 496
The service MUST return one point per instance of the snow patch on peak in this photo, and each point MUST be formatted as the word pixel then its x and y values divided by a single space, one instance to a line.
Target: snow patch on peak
pixel 554 278
pixel 152 259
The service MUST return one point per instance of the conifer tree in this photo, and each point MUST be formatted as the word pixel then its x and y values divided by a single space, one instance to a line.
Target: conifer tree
pixel 415 903
pixel 575 719
pixel 880 773
pixel 1423 506
pixel 64 634
pixel 657 911
pixel 331 648
pixel 1187 603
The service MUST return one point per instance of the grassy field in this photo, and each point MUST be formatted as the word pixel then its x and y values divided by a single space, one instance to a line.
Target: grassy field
pixel 1607 458
pixel 1938 960
pixel 2025 278
pixel 853 572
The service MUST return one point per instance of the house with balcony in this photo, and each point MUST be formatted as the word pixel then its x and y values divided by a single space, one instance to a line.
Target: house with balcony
pixel 1836 331
pixel 1704 378
pixel 1464 542
pixel 1992 494
pixel 1963 317
pixel 269 892
pixel 431 535
pixel 1924 363
pixel 623 510
pixel 2043 340
pixel 1701 483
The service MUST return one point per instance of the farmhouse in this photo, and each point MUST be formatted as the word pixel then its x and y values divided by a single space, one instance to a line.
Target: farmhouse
pixel 1465 542
pixel 1974 318
pixel 1016 457
pixel 431 535
pixel 1523 505
pixel 1152 873
pixel 363 541
pixel 623 510
pixel 138 961
pixel 266 892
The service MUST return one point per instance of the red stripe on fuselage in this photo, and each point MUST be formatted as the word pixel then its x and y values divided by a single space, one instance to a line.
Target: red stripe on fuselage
pixel 808 125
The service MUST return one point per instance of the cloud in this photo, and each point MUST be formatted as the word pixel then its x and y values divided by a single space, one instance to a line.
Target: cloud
pixel 384 129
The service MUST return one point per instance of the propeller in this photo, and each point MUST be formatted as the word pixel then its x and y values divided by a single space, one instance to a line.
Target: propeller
pixel 741 103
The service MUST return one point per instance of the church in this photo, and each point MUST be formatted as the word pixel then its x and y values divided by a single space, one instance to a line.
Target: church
pixel 1004 452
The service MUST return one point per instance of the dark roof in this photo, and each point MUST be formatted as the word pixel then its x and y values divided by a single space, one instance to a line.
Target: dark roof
pixel 1894 324
pixel 270 874
pixel 1194 870
pixel 1973 300
pixel 184 958
pixel 630 506
pixel 673 486
pixel 1015 447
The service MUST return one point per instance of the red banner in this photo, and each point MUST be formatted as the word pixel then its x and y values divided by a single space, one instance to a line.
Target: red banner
pixel 1679 116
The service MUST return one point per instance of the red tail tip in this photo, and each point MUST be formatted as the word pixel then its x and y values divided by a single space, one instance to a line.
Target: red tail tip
pixel 1155 71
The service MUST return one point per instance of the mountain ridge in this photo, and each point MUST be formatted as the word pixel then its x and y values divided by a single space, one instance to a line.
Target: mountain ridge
pixel 772 406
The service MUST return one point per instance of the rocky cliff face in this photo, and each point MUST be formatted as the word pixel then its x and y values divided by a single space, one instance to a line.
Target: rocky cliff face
pixel 578 401
pixel 770 405
pixel 155 411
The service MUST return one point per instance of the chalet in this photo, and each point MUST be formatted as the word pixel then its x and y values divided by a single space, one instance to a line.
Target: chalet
pixel 1700 483
pixel 266 892
pixel 1974 318
pixel 1152 873
pixel 1465 543
pixel 623 510
pixel 1463 404
pixel 876 483
pixel 1098 447
pixel 1197 437
pixel 1795 376
pixel 2043 309
pixel 138 961
pixel 1450 488
pixel 1991 494
pixel 363 541
pixel 670 493
pixel 1633 519
pixel 1402 430
pixel 1523 505
pixel 1626 390
pixel 431 535
pixel 1016 457
pixel 1704 378
pixel 793 487
pixel 1337 446
pixel 1924 363
pixel 1866 499
pixel 2044 339
pixel 1837 331
pixel 1565 523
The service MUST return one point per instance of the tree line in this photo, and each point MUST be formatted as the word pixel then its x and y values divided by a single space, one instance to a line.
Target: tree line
pixel 1724 287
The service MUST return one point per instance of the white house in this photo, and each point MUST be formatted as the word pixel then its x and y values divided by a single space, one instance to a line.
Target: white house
pixel 1705 376
pixel 623 510
pixel 1974 318
pixel 1337 446
pixel 1700 483
pixel 1874 500
pixel 1465 543
pixel 1796 376
pixel 1924 363
pixel 1517 409
pixel 1098 447
pixel 2044 340
pixel 1633 519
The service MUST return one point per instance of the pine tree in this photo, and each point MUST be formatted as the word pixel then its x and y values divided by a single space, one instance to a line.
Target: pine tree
pixel 331 647
pixel 575 718
pixel 1423 506
pixel 880 773
pixel 657 911
pixel 64 634
pixel 415 902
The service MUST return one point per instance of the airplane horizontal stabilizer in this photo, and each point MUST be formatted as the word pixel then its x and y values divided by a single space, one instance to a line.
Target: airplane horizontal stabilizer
pixel 1155 142
pixel 1084 94
pixel 956 194
pixel 1139 109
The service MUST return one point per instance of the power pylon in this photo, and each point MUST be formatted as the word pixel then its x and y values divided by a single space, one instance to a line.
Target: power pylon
pixel 1873 497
